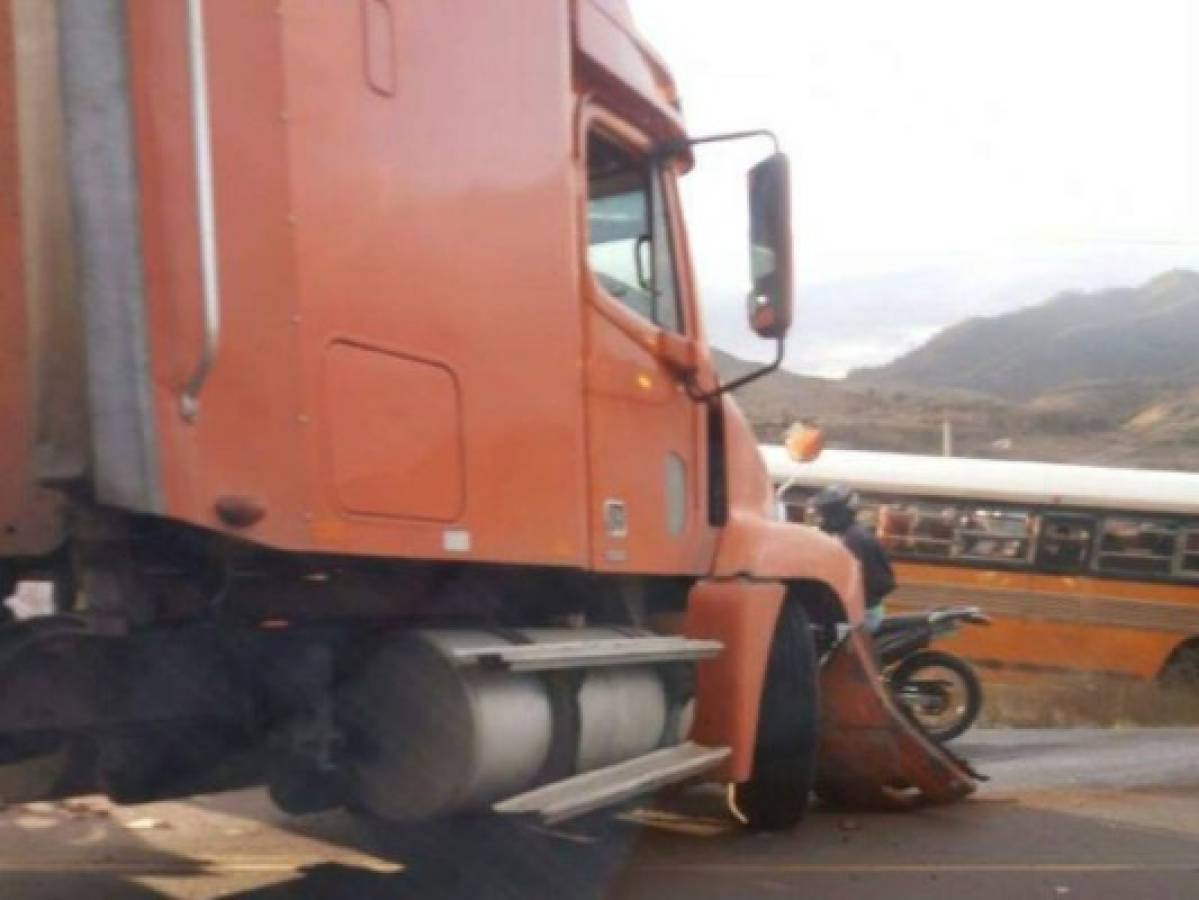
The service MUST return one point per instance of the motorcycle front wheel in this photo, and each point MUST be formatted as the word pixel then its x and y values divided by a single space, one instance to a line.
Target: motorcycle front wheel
pixel 940 691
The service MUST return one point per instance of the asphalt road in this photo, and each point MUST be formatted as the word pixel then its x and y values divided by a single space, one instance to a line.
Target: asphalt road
pixel 1067 814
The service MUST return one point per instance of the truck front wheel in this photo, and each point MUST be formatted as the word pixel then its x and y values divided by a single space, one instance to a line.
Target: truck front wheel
pixel 776 796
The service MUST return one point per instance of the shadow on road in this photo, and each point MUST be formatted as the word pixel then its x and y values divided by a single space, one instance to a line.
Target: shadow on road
pixel 482 858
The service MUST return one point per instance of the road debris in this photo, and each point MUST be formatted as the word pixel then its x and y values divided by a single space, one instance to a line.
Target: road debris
pixel 146 824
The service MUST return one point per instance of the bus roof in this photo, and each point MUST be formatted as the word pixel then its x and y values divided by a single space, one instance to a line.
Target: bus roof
pixel 1090 487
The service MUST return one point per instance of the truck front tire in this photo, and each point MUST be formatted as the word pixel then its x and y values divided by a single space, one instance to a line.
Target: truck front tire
pixel 776 796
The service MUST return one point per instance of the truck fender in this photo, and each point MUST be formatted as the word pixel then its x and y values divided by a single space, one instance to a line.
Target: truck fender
pixel 754 547
pixel 742 615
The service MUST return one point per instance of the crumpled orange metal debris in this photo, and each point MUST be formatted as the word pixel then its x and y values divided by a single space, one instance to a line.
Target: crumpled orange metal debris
pixel 871 755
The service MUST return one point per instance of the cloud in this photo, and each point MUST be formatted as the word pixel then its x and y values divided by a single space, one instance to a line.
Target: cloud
pixel 987 145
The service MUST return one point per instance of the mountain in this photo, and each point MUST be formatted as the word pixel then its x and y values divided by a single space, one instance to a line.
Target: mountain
pixel 869 417
pixel 862 311
pixel 1116 336
pixel 1150 423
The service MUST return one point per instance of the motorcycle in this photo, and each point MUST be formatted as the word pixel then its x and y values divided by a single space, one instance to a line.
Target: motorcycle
pixel 939 691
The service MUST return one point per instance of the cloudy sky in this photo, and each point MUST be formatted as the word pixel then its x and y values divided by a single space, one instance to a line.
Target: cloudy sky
pixel 950 158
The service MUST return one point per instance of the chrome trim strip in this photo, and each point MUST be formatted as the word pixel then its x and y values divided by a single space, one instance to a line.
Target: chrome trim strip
pixel 561 800
pixel 189 401
pixel 587 654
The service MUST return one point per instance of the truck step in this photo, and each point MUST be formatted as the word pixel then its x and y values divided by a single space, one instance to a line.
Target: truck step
pixel 586 793
pixel 586 654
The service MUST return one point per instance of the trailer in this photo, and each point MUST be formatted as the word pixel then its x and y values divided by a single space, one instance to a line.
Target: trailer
pixel 359 417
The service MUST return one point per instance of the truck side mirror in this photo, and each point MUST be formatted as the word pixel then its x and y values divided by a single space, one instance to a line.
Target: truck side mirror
pixel 770 300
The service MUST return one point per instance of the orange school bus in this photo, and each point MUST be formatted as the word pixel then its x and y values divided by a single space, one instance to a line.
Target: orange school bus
pixel 1084 569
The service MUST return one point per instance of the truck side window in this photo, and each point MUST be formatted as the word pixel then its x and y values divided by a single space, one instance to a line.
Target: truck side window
pixel 629 247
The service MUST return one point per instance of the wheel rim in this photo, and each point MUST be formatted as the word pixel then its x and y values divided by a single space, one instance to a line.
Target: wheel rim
pixel 937 697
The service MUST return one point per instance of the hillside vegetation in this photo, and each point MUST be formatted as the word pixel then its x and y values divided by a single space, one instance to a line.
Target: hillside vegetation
pixel 1115 335
pixel 1108 378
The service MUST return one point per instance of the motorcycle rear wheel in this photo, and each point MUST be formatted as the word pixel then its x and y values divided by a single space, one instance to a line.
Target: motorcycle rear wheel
pixel 964 691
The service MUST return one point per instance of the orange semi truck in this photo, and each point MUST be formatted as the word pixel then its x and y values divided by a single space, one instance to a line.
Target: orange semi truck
pixel 357 412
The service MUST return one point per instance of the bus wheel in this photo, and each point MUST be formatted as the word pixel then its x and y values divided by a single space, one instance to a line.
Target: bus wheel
pixel 776 797
pixel 1181 671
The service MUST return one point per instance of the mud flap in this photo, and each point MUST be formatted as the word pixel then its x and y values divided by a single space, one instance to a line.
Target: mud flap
pixel 871 755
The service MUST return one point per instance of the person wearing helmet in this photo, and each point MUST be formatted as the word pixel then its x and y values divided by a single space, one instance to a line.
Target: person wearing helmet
pixel 837 506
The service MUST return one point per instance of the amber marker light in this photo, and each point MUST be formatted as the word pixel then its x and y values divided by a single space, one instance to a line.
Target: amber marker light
pixel 804 442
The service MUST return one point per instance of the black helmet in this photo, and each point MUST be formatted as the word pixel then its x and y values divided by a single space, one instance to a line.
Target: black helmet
pixel 836 495
pixel 837 504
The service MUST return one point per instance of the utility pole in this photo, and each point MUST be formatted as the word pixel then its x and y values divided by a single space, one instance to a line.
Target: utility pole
pixel 946 436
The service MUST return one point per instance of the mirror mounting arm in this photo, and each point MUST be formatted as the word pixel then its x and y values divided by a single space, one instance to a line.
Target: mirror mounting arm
pixel 705 396
pixel 672 147
pixel 685 144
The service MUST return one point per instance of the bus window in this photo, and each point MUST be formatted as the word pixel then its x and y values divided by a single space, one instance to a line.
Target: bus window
pixel 1137 547
pixel 919 529
pixel 994 535
pixel 868 515
pixel 798 508
pixel 1189 564
pixel 794 506
pixel 795 512
pixel 1064 542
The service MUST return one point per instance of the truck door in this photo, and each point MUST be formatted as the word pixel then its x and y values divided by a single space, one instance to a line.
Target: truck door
pixel 647 507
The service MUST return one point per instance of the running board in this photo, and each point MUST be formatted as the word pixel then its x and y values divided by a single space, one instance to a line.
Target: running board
pixel 586 793
pixel 586 654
